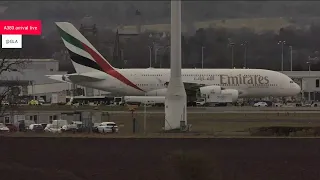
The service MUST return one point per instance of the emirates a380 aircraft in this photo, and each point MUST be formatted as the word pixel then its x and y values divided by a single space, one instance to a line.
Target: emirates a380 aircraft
pixel 94 71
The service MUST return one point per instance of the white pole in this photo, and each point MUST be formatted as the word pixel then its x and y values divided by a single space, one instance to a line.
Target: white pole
pixel 232 58
pixel 145 117
pixel 202 56
pixel 291 58
pixel 281 56
pixel 155 54
pixel 150 56
pixel 245 56
pixel 176 97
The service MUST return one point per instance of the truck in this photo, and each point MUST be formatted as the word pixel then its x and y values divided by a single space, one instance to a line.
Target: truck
pixel 58 98
pixel 149 100
pixel 215 100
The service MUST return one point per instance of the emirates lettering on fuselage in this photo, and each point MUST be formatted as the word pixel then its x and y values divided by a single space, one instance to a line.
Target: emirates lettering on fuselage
pixel 241 79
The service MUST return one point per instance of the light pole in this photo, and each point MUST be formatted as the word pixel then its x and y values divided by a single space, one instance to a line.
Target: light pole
pixel 202 48
pixel 245 44
pixel 150 56
pixel 290 58
pixel 145 116
pixel 156 53
pixel 282 43
pixel 309 68
pixel 232 58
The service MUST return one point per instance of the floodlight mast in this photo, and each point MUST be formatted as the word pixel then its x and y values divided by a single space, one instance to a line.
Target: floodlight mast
pixel 176 97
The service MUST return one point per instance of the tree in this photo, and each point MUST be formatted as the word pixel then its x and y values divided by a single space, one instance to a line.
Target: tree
pixel 11 61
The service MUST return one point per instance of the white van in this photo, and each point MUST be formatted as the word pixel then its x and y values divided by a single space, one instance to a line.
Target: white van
pixel 56 126
pixel 59 123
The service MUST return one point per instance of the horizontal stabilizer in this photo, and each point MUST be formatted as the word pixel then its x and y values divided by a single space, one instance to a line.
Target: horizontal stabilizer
pixel 82 78
pixel 57 78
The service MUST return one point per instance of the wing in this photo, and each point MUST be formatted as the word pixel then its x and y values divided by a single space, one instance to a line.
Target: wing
pixel 190 87
pixel 187 85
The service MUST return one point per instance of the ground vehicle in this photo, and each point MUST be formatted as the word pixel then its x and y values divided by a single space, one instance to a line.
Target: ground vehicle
pixel 108 127
pixel 260 104
pixel 12 128
pixel 59 123
pixel 277 104
pixel 214 100
pixel 315 104
pixel 58 98
pixel 56 126
pixel 34 102
pixel 36 127
pixel 52 128
pixel 44 125
pixel 6 103
pixel 95 127
pixel 75 126
pixel 4 128
pixel 25 123
pixel 149 100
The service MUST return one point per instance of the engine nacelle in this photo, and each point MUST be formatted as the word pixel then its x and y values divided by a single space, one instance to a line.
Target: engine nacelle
pixel 210 90
pixel 157 92
pixel 234 93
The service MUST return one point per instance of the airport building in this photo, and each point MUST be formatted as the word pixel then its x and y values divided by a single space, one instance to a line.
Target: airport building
pixel 309 83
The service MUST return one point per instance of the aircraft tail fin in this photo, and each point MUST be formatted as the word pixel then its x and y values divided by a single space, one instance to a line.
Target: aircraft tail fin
pixel 85 58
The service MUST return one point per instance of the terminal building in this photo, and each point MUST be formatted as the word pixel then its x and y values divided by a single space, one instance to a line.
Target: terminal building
pixel 309 83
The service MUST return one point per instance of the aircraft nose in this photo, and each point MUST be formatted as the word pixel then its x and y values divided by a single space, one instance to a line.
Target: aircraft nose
pixel 297 88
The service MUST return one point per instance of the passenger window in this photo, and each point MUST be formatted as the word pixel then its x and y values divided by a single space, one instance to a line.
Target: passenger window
pixel 317 83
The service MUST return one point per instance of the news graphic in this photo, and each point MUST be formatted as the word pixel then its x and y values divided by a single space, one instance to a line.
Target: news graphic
pixel 13 30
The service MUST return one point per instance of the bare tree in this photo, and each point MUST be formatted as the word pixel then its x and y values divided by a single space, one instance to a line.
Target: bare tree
pixel 10 87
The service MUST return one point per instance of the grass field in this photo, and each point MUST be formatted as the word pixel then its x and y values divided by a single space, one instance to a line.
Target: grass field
pixel 212 124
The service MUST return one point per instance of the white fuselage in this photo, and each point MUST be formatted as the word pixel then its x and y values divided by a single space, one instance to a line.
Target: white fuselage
pixel 250 82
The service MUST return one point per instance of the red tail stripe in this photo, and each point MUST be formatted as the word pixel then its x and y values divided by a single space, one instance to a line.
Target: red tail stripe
pixel 107 68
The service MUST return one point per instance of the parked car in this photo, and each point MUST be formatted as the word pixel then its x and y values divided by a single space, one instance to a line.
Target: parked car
pixel 75 126
pixel 52 128
pixel 95 127
pixel 108 127
pixel 36 128
pixel 6 103
pixel 260 104
pixel 44 125
pixel 4 128
pixel 12 128
pixel 34 102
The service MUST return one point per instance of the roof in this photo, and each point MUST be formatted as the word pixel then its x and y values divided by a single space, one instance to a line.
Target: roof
pixel 302 74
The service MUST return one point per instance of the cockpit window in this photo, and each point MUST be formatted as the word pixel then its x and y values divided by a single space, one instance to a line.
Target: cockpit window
pixel 291 81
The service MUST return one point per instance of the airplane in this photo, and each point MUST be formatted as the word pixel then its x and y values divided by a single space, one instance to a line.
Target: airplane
pixel 93 70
